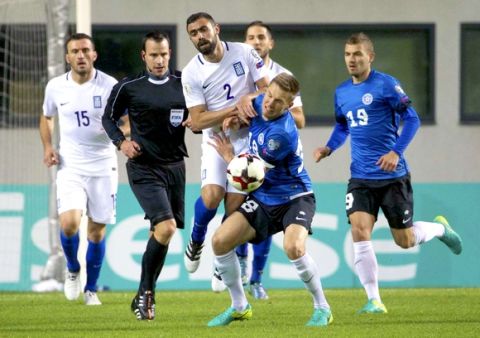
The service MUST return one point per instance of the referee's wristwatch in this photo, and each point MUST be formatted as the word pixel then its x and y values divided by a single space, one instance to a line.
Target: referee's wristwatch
pixel 118 143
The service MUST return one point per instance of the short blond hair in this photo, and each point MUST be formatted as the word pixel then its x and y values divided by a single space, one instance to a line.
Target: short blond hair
pixel 360 38
pixel 287 83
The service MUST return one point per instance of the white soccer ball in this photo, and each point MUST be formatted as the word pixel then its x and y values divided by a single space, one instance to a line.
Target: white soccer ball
pixel 246 172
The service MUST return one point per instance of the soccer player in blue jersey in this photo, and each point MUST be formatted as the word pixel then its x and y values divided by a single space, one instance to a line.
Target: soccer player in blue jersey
pixel 284 202
pixel 369 107
pixel 259 35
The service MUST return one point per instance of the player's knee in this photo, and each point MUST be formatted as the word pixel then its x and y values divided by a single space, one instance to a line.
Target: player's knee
pixel 294 250
pixel 219 246
pixel 96 236
pixel 96 231
pixel 360 233
pixel 165 230
pixel 212 197
pixel 216 244
pixel 69 228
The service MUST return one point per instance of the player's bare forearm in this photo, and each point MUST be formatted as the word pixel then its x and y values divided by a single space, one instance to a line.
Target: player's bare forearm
pixel 298 116
pixel 50 156
pixel 202 118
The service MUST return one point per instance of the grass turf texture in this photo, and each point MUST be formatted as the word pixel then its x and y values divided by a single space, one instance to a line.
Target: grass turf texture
pixel 411 313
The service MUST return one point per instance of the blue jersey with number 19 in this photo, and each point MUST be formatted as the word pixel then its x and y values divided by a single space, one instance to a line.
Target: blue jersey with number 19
pixel 370 112
pixel 277 143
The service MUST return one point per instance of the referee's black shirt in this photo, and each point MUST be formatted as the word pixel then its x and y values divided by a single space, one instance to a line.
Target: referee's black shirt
pixel 156 109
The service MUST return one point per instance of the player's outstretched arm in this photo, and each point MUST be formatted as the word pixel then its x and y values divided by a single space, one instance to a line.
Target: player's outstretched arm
pixel 202 118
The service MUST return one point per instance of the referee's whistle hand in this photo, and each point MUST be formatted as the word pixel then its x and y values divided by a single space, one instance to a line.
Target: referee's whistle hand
pixel 131 149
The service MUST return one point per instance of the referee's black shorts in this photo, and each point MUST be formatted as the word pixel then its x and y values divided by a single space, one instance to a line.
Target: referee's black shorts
pixel 160 190
pixel 394 196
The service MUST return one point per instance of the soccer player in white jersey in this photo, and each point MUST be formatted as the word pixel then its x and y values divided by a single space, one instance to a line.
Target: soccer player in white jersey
pixel 259 35
pixel 218 83
pixel 87 177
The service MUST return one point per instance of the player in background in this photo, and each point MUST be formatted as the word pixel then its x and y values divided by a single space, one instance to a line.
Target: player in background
pixel 369 107
pixel 156 150
pixel 87 177
pixel 259 36
pixel 219 83
pixel 284 202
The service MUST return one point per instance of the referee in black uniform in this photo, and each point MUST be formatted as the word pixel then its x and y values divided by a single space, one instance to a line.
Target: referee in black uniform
pixel 156 169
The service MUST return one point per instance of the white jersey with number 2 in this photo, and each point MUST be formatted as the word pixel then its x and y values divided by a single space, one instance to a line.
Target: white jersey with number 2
pixel 220 85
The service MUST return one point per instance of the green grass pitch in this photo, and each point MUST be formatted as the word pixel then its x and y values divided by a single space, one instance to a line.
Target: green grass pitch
pixel 412 313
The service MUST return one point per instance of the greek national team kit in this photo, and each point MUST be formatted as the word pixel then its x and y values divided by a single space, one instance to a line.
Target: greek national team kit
pixel 370 112
pixel 273 69
pixel 218 86
pixel 88 162
pixel 84 146
pixel 278 144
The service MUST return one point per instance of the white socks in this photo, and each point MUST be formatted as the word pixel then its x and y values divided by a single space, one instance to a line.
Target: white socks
pixel 308 272
pixel 367 268
pixel 425 231
pixel 229 268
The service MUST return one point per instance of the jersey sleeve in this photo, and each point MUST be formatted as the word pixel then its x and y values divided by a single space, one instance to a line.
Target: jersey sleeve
pixel 394 95
pixel 340 131
pixel 192 88
pixel 401 104
pixel 49 105
pixel 117 105
pixel 411 123
pixel 255 64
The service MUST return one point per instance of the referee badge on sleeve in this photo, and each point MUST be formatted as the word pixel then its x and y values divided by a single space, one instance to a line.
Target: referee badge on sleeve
pixel 176 117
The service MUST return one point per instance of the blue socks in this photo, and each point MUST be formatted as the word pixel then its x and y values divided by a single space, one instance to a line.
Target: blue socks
pixel 95 254
pixel 94 259
pixel 203 216
pixel 70 249
pixel 242 250
pixel 260 256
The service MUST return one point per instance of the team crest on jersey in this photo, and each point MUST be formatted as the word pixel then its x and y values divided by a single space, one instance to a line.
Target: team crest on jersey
pixel 97 101
pixel 238 68
pixel 176 117
pixel 367 99
pixel 261 138
pixel 273 145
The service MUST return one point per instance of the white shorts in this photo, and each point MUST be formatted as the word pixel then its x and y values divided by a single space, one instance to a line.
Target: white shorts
pixel 97 194
pixel 214 168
